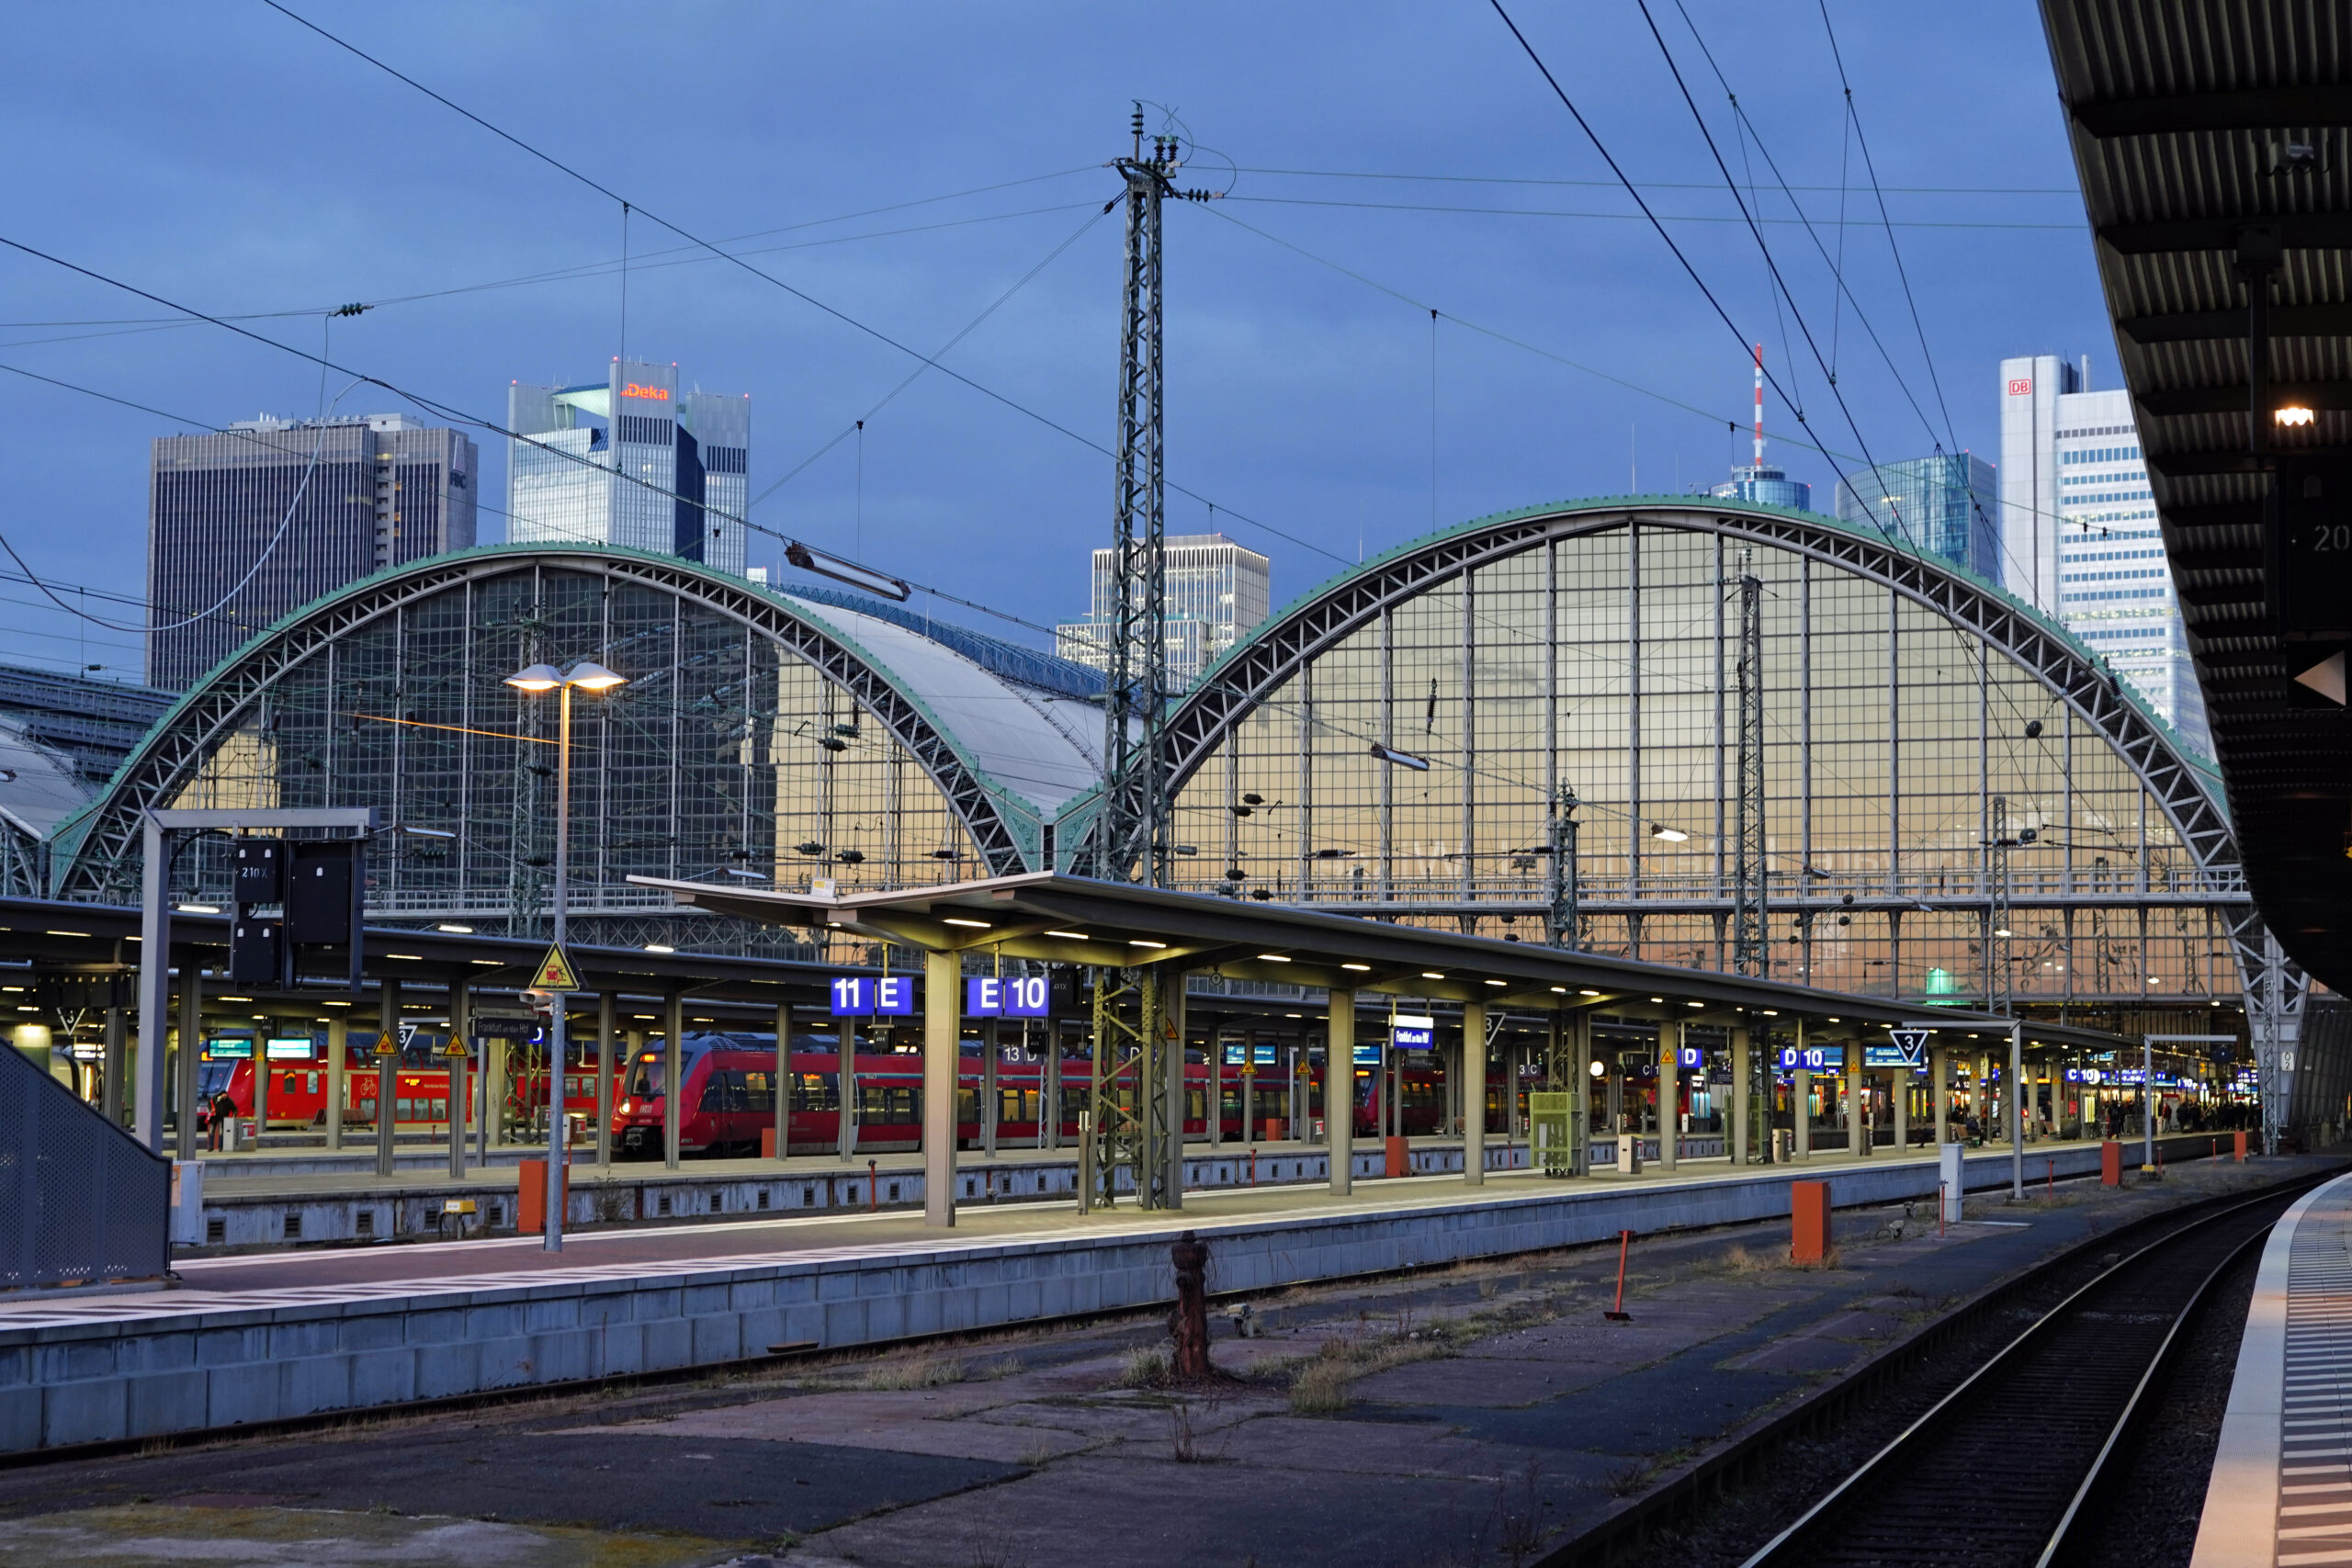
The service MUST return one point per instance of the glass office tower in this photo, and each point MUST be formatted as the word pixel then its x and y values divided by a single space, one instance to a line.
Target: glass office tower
pixel 2080 540
pixel 247 523
pixel 1945 505
pixel 632 460
pixel 1216 590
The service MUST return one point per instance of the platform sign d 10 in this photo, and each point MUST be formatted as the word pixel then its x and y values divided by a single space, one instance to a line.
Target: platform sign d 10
pixel 1009 996
pixel 1810 1059
pixel 862 996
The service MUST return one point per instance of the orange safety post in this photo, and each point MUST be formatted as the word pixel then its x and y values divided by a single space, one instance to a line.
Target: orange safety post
pixel 767 1143
pixel 531 1198
pixel 2110 1164
pixel 2239 1136
pixel 1808 1221
pixel 1618 1313
pixel 1399 1162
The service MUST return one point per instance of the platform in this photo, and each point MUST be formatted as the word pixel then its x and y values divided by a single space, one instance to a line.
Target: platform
pixel 2281 1490
pixel 274 1335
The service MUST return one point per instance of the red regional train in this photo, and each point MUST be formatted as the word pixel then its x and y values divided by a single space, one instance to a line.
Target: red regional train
pixel 730 1098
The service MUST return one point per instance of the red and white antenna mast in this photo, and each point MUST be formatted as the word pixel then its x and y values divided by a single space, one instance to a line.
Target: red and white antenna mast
pixel 1758 459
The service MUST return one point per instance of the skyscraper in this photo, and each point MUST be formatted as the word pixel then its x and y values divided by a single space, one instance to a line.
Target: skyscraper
pixel 1756 484
pixel 1216 590
pixel 630 461
pixel 353 494
pixel 2078 530
pixel 1945 505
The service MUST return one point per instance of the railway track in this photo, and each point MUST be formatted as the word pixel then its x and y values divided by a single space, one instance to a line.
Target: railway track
pixel 2009 1469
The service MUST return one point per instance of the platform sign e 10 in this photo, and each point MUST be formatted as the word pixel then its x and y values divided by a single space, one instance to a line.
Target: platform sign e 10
pixel 1006 996
pixel 864 996
pixel 1810 1059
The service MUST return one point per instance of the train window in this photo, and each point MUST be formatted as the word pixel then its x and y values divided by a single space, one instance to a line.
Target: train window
pixel 1016 1104
pixel 884 1105
pixel 440 1110
pixel 645 1078
pixel 819 1091
pixel 759 1091
pixel 968 1106
pixel 722 1090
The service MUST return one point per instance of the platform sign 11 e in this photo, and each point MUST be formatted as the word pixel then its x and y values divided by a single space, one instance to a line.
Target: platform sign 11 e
pixel 866 996
pixel 1005 995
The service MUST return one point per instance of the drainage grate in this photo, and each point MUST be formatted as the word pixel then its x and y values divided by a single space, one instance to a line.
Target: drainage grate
pixel 764 1197
pixel 664 1205
pixel 808 1197
pixel 716 1205
pixel 365 1221
pixel 293 1225
pixel 894 1192
pixel 497 1214
pixel 216 1231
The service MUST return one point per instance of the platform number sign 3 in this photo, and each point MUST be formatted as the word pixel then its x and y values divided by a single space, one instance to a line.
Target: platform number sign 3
pixel 1912 1042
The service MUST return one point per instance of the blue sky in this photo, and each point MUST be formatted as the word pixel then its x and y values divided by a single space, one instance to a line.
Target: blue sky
pixel 225 158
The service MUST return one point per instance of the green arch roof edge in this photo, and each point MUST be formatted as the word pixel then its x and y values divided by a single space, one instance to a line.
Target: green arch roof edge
pixel 1023 815
pixel 2198 763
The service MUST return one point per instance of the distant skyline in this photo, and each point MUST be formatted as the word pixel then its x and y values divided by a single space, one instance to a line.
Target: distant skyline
pixel 227 159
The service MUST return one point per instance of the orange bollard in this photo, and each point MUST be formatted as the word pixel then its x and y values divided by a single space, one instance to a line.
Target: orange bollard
pixel 1618 1313
pixel 1398 1162
pixel 2110 1164
pixel 1808 1221
pixel 2240 1137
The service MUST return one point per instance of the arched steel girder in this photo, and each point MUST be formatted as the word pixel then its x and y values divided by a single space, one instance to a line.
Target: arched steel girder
pixel 1255 670
pixel 100 850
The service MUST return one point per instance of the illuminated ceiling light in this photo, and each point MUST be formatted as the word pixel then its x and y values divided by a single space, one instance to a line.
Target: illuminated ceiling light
pixel 1559 990
pixel 1140 942
pixel 407 957
pixel 975 925
pixel 2293 417
pixel 1493 982
pixel 232 998
pixel 1657 999
pixel 1669 835
pixel 1599 1069
pixel 455 930
pixel 658 947
pixel 1835 1020
pixel 1074 936
pixel 65 933
pixel 198 909
pixel 1695 1004
pixel 1771 1012
pixel 1432 975
pixel 1272 958
pixel 1587 991
pixel 2002 931
pixel 1358 968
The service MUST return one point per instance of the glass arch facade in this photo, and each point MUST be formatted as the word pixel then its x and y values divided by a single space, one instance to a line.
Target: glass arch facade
pixel 757 738
pixel 1599 650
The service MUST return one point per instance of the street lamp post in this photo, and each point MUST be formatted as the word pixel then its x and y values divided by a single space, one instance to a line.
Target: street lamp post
pixel 537 680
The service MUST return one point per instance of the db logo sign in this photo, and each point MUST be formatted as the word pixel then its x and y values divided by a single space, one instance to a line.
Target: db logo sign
pixel 2021 388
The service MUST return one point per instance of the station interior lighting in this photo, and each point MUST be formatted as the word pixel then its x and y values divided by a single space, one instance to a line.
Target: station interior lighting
pixel 959 921
pixel 1074 936
pixel 2293 416
pixel 199 908
pixel 1401 759
pixel 1358 968
pixel 658 947
pixel 1432 975
pixel 1669 835
pixel 454 929
pixel 1587 991
pixel 1272 958
pixel 1599 1069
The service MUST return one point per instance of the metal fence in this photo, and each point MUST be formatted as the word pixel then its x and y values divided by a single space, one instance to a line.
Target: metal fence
pixel 81 1202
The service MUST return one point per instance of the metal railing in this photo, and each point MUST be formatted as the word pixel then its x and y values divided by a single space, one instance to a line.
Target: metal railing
pixel 81 1202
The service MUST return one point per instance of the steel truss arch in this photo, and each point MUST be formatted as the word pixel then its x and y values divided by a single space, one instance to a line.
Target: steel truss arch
pixel 1285 645
pixel 98 851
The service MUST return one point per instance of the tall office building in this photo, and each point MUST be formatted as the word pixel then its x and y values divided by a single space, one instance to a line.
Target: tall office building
pixel 1216 590
pixel 574 473
pixel 354 495
pixel 1944 505
pixel 2078 530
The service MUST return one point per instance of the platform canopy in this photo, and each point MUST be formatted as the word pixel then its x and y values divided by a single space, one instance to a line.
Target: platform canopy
pixel 1059 919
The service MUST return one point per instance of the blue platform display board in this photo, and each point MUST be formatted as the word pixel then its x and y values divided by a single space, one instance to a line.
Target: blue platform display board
pixel 1234 1058
pixel 1877 1056
pixel 290 1048
pixel 1367 1055
pixel 1010 996
pixel 864 996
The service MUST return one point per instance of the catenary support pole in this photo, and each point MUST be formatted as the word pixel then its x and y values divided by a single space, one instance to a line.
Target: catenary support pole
pixel 1173 1029
pixel 1580 1116
pixel 191 1033
pixel 1801 1101
pixel 338 1073
pixel 1742 1104
pixel 2017 1112
pixel 454 1055
pixel 1939 1092
pixel 782 1083
pixel 673 1058
pixel 1669 1093
pixel 608 1021
pixel 388 1070
pixel 154 983
pixel 942 1035
pixel 1857 1123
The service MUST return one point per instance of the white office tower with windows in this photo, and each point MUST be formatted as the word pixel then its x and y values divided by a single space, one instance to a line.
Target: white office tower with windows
pixel 2078 530
pixel 631 460
pixel 1216 590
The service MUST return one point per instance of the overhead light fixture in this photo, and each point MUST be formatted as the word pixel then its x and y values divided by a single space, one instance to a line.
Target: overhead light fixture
pixel 1432 975
pixel 1695 1004
pixel 1670 835
pixel 2002 931
pixel 1559 990
pixel 537 678
pixel 1358 968
pixel 659 947
pixel 1599 1069
pixel 847 571
pixel 198 909
pixel 746 876
pixel 958 920
pixel 1272 958
pixel 1073 936
pixel 1657 999
pixel 1492 982
pixel 455 930
pixel 1587 991
pixel 1400 759
pixel 1140 942
pixel 2293 417
pixel 1771 1012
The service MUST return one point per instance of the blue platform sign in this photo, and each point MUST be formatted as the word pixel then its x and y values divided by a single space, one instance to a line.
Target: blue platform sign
pixel 1412 1037
pixel 1811 1059
pixel 862 996
pixel 1687 1057
pixel 1262 1053
pixel 1013 996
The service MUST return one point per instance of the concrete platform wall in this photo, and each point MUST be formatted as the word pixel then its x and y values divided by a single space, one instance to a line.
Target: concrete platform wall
pixel 326 1350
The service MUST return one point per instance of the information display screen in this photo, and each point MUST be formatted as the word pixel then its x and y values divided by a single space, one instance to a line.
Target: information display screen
pixel 1264 1054
pixel 230 1048
pixel 290 1048
pixel 1887 1056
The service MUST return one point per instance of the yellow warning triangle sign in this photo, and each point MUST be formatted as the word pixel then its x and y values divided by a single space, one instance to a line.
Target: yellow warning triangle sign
pixel 554 973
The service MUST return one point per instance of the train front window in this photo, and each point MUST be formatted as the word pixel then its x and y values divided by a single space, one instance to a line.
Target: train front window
pixel 645 1078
